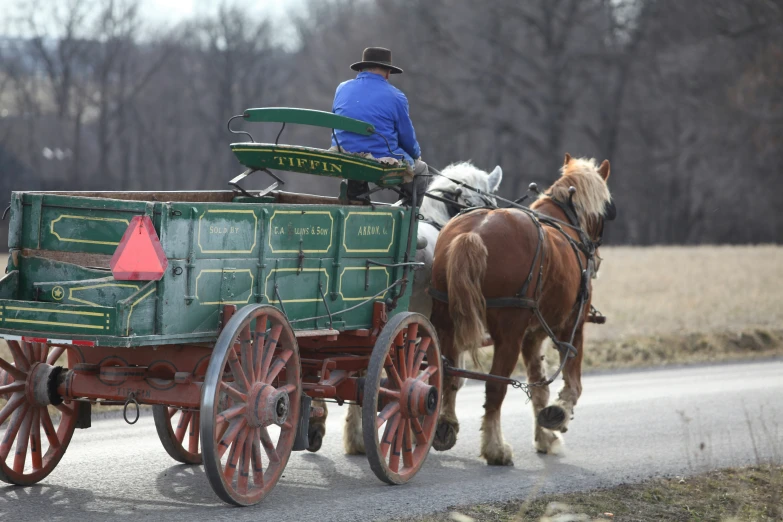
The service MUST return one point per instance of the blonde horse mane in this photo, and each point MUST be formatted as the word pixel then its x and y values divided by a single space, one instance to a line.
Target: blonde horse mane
pixel 592 195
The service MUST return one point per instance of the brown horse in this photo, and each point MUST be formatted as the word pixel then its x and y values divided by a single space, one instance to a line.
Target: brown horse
pixel 522 276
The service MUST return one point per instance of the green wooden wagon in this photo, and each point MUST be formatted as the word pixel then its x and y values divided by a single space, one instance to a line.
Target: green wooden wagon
pixel 228 311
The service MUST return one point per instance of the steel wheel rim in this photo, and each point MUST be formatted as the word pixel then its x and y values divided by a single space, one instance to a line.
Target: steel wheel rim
pixel 399 444
pixel 32 440
pixel 242 460
pixel 182 429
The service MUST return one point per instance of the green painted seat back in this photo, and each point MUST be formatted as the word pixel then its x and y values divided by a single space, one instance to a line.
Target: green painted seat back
pixel 320 162
pixel 308 117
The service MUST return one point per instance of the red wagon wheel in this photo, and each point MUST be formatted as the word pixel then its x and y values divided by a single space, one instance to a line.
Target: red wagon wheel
pixel 178 431
pixel 33 439
pixel 250 404
pixel 404 379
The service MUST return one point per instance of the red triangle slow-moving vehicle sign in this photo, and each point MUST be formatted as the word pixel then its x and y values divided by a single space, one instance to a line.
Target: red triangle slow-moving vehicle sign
pixel 139 257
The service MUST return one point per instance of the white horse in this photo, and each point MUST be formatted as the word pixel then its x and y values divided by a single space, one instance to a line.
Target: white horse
pixel 436 214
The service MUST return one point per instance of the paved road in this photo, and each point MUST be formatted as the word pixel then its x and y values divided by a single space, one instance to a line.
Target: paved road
pixel 629 426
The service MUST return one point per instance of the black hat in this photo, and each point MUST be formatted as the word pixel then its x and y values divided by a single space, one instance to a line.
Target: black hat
pixel 378 57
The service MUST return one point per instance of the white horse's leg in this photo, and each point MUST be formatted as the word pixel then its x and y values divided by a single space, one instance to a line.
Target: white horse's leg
pixel 353 439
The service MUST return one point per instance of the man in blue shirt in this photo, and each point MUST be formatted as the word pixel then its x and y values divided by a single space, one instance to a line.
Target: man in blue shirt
pixel 371 98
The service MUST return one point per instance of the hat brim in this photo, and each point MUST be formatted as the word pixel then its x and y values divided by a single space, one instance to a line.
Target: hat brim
pixel 358 66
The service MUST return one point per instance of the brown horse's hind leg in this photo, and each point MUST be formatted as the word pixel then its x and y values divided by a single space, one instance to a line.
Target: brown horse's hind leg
pixel 317 428
pixel 558 415
pixel 507 327
pixel 544 440
pixel 448 425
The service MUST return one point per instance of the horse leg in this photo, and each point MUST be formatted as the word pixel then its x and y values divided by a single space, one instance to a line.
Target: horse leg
pixel 353 440
pixel 317 427
pixel 494 449
pixel 558 415
pixel 448 425
pixel 544 440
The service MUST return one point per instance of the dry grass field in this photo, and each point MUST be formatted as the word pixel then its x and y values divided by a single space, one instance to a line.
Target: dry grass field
pixel 671 305
pixel 754 493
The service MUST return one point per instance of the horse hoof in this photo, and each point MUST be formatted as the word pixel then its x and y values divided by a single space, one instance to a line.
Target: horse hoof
pixel 445 436
pixel 315 437
pixel 552 417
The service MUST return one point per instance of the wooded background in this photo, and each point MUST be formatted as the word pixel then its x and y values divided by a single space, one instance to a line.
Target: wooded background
pixel 684 98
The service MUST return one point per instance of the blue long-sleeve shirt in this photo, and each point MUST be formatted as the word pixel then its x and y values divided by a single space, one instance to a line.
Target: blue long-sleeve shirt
pixel 369 97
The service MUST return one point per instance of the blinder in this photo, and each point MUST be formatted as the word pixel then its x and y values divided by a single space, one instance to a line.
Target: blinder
pixel 610 211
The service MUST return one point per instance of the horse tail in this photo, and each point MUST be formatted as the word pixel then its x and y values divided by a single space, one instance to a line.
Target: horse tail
pixel 465 268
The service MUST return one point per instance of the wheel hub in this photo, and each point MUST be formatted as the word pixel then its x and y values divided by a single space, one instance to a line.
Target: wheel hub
pixel 39 381
pixel 266 405
pixel 418 398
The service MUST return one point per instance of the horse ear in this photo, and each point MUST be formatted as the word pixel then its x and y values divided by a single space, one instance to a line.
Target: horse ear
pixel 603 170
pixel 495 177
pixel 567 159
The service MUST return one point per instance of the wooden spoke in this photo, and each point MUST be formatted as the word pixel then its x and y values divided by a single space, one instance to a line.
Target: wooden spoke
pixel 16 400
pixel 418 432
pixel 12 430
pixel 232 392
pixel 278 365
pixel 394 458
pixel 11 388
pixel 234 454
pixel 35 440
pixel 387 413
pixel 182 426
pixel 22 441
pixel 399 348
pixel 288 388
pixel 426 374
pixel 230 436
pixel 172 411
pixel 65 409
pixel 238 372
pixel 43 351
pixel 258 465
pixel 259 343
pixel 388 434
pixel 270 346
pixel 410 348
pixel 48 427
pixel 244 469
pixel 231 413
pixel 12 370
pixel 193 434
pixel 391 371
pixel 19 357
pixel 32 351
pixel 55 354
pixel 421 352
pixel 407 446
pixel 269 447
pixel 246 354
pixel 389 394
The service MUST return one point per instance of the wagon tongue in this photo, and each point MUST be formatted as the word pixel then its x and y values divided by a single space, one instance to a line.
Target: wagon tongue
pixel 140 256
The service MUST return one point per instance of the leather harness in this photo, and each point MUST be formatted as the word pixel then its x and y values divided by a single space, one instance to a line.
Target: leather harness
pixel 585 245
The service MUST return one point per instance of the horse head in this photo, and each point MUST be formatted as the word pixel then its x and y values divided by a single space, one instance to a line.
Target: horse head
pixel 445 188
pixel 582 189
